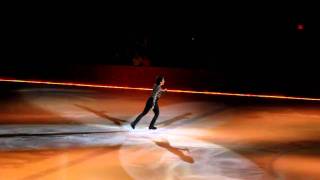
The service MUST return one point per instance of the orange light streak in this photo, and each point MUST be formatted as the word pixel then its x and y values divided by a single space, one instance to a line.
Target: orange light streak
pixel 148 89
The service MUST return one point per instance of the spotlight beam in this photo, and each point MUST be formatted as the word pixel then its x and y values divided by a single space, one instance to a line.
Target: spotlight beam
pixel 148 89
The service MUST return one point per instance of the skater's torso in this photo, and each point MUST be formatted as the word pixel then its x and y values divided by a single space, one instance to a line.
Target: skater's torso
pixel 156 92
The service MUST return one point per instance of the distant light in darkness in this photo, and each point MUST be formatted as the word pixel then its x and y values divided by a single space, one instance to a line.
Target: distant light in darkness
pixel 300 27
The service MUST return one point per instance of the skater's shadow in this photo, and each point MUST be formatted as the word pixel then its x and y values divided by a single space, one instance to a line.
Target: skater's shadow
pixel 174 119
pixel 103 114
pixel 177 151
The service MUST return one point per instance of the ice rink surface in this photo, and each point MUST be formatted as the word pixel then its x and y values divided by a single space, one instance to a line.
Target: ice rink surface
pixel 74 133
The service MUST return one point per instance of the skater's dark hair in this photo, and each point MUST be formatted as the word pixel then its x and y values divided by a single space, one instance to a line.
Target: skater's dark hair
pixel 159 79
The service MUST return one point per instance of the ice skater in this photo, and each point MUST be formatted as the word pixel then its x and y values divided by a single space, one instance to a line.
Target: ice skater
pixel 152 103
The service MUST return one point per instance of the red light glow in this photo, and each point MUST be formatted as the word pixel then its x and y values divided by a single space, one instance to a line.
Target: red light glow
pixel 148 89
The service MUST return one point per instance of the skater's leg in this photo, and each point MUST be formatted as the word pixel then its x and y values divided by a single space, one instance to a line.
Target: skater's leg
pixel 155 117
pixel 144 112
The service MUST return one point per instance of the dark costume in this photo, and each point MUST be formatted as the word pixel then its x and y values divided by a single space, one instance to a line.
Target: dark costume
pixel 151 102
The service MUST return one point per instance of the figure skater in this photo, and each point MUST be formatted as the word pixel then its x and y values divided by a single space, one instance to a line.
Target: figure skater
pixel 152 103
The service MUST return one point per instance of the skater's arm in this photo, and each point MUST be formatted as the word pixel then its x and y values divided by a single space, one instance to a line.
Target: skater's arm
pixel 163 90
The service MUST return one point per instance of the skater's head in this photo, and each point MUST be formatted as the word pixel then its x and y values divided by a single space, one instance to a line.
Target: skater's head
pixel 160 80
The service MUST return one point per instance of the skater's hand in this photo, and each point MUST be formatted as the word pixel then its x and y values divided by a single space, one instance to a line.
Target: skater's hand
pixel 165 90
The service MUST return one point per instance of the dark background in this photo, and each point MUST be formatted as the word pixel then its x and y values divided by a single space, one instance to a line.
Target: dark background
pixel 258 43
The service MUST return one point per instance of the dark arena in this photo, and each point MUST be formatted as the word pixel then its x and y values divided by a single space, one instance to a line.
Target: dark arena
pixel 160 92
